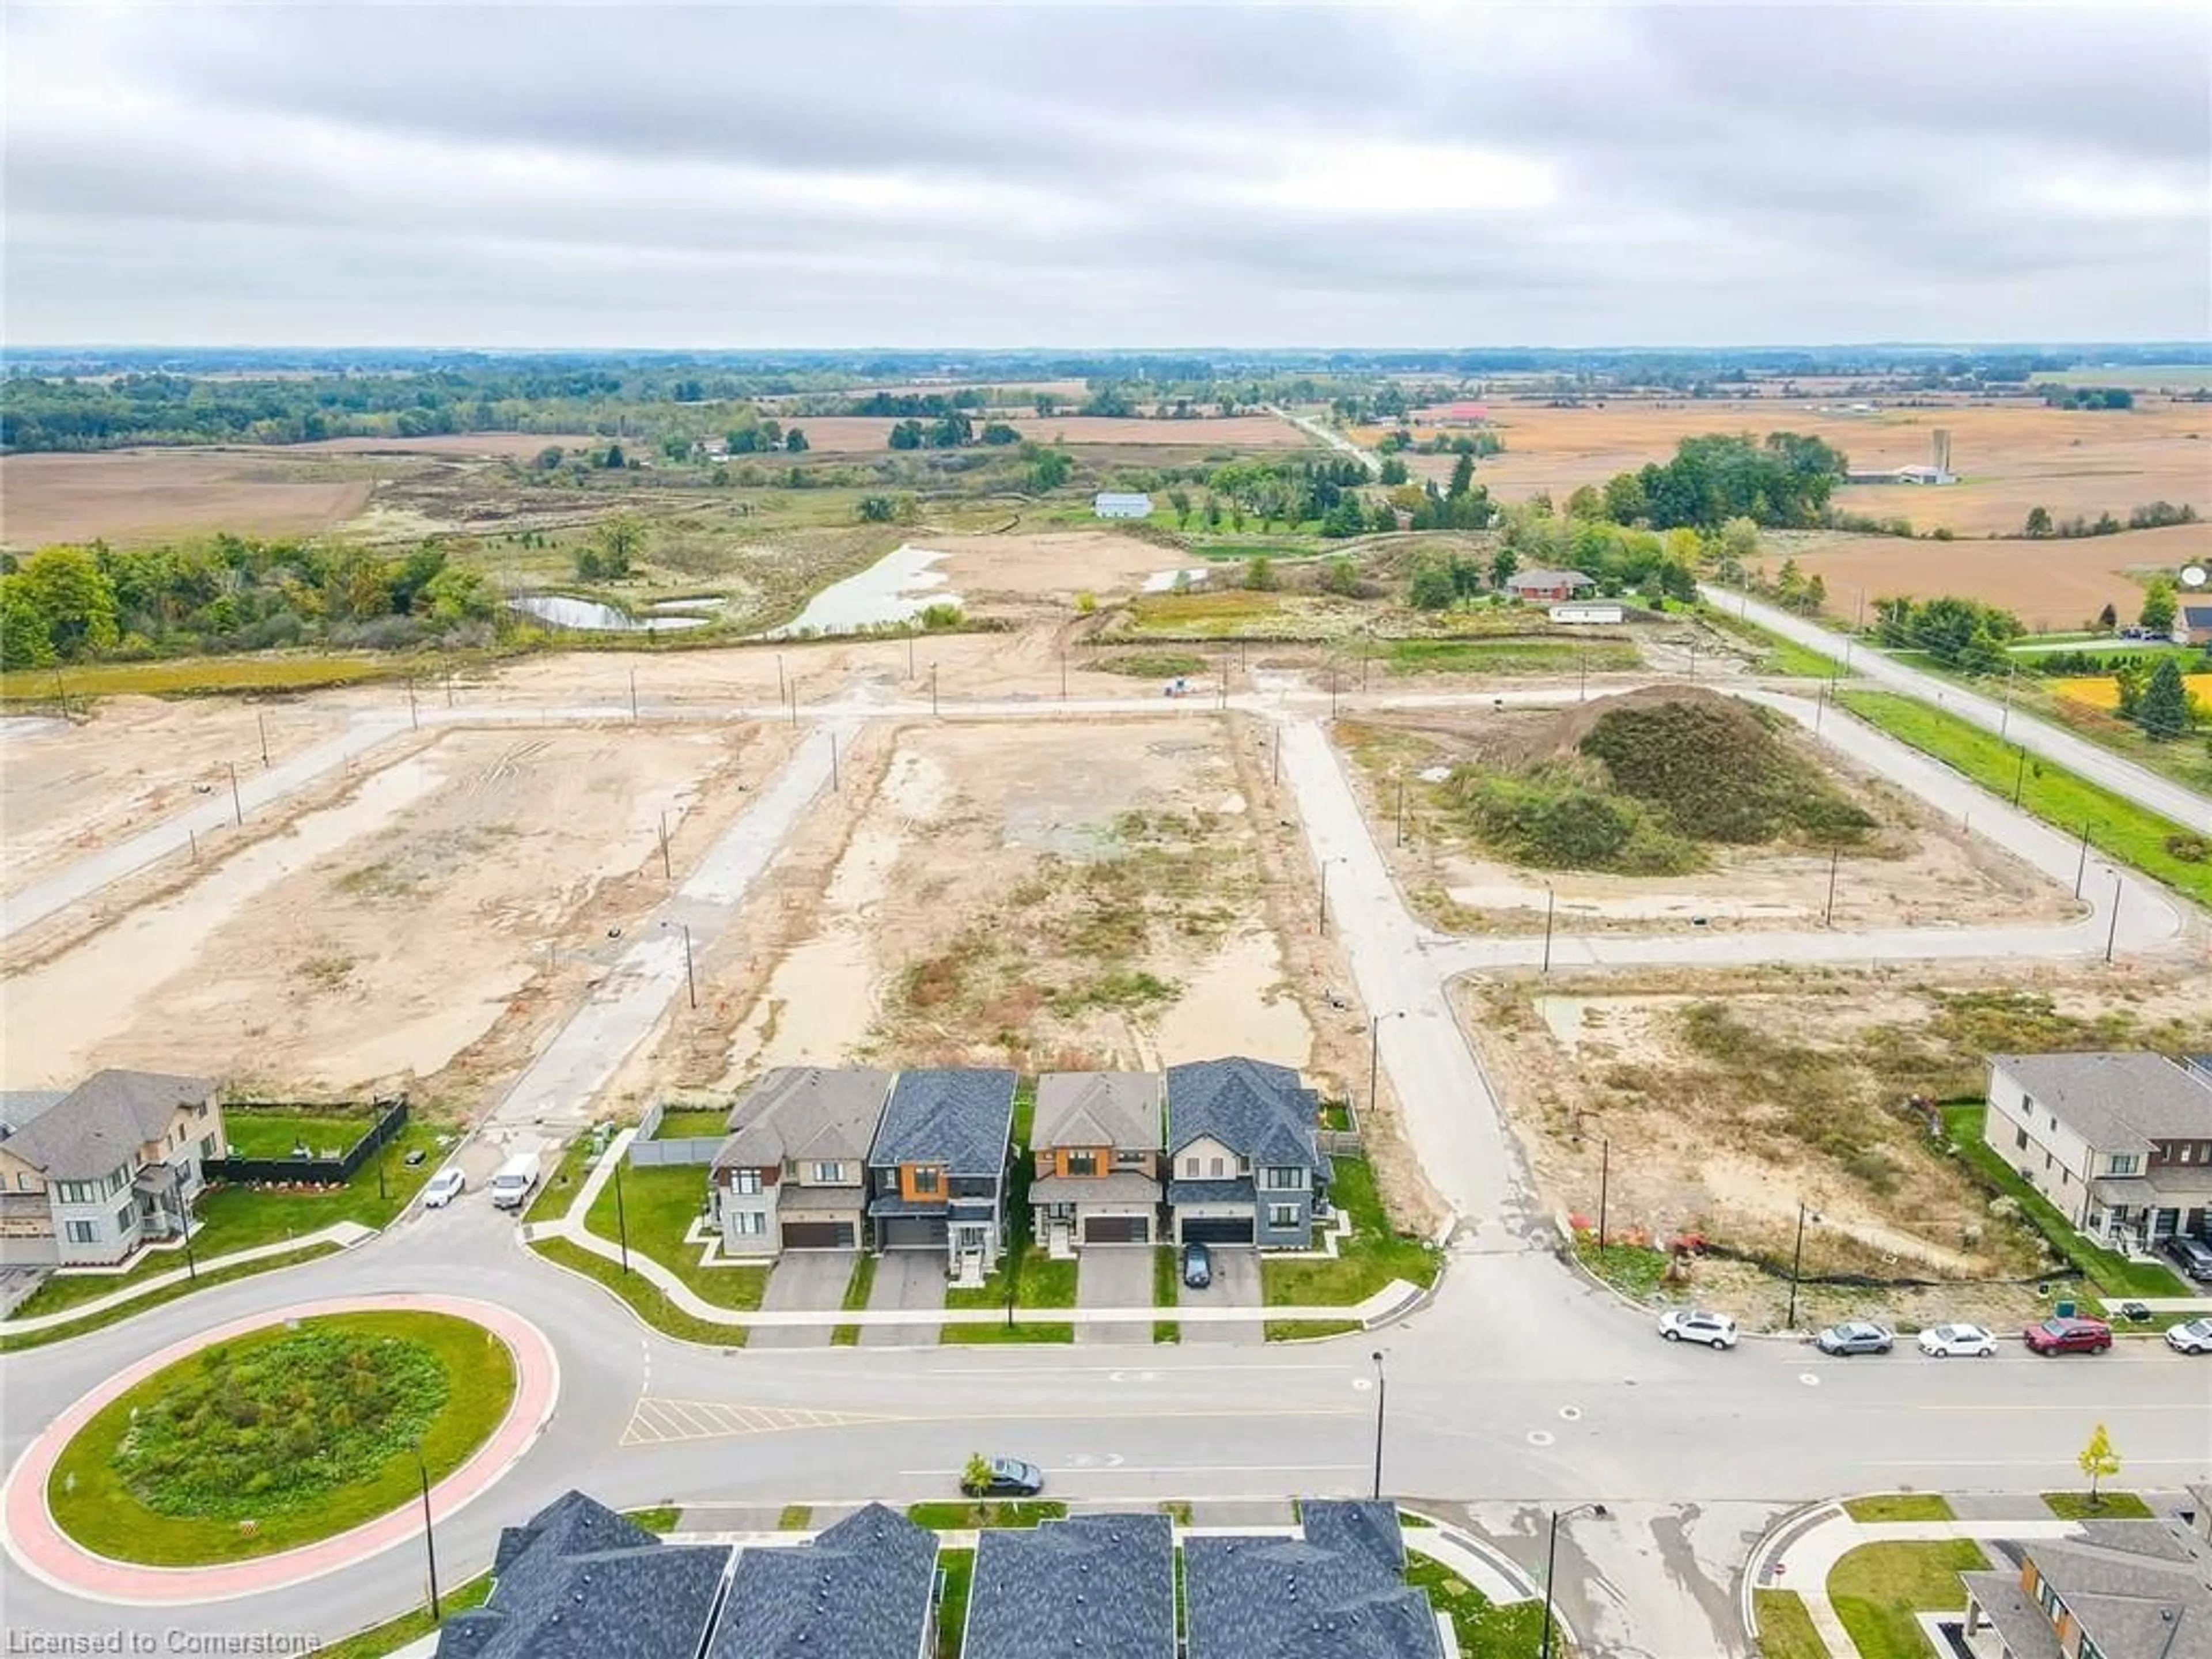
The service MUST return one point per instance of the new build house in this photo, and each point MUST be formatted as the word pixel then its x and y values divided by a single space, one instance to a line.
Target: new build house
pixel 89 1176
pixel 2116 1590
pixel 1102 1584
pixel 1097 1151
pixel 1336 1592
pixel 936 1173
pixel 793 1173
pixel 1244 1159
pixel 2120 1143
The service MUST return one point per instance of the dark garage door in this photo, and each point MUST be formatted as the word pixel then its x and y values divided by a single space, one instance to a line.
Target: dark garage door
pixel 1218 1229
pixel 913 1232
pixel 1115 1230
pixel 817 1234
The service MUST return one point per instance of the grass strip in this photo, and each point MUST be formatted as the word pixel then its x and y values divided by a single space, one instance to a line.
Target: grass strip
pixel 1298 1330
pixel 1785 1629
pixel 394 1634
pixel 150 1299
pixel 1900 1506
pixel 657 1205
pixel 967 1516
pixel 644 1299
pixel 1880 1589
pixel 1486 1629
pixel 2105 1506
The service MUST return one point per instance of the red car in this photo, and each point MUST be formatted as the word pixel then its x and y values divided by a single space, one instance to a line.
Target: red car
pixel 2069 1336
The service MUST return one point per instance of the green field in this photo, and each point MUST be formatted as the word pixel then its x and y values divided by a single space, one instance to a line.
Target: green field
pixel 274 1132
pixel 1778 655
pixel 2134 835
pixel 2107 1505
pixel 2137 377
pixel 657 1206
pixel 95 1502
pixel 692 1123
pixel 199 675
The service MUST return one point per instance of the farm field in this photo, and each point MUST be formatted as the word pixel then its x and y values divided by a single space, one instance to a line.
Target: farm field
pixel 2048 585
pixel 132 495
pixel 455 894
pixel 2100 692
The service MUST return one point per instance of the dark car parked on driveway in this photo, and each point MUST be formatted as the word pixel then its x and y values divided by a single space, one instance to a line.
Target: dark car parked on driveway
pixel 2192 1255
pixel 2056 1336
pixel 1197 1266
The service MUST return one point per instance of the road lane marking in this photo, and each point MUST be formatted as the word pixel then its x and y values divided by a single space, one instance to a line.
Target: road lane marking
pixel 655 1421
pixel 1167 1468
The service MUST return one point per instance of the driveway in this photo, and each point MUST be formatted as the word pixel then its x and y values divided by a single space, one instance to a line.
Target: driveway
pixel 905 1278
pixel 803 1279
pixel 1114 1276
pixel 1236 1284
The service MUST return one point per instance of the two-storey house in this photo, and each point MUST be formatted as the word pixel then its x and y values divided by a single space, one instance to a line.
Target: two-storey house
pixel 1097 1179
pixel 792 1175
pixel 2120 1143
pixel 1244 1159
pixel 2116 1590
pixel 936 1173
pixel 87 1177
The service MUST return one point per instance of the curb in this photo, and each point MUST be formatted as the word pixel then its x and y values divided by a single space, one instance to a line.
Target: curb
pixel 1778 1537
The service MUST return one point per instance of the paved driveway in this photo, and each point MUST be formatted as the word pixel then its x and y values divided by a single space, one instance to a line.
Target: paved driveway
pixel 1236 1284
pixel 905 1278
pixel 804 1279
pixel 1114 1276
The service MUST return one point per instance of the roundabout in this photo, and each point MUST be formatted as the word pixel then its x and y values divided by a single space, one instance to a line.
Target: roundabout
pixel 279 1447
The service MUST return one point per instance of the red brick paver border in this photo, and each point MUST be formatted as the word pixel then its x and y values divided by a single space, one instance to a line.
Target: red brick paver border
pixel 43 1550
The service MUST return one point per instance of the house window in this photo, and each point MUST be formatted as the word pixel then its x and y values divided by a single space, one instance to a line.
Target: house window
pixel 207 1149
pixel 1127 1159
pixel 754 1221
pixel 1190 1169
pixel 1083 1164
pixel 23 1181
pixel 123 1218
pixel 1216 1171
pixel 117 1180
pixel 2124 1164
pixel 77 1192
pixel 1282 1215
pixel 2185 1152
pixel 2047 1598
pixel 745 1182
pixel 925 1182
pixel 2019 1138
pixel 828 1172
pixel 1283 1178
pixel 82 1232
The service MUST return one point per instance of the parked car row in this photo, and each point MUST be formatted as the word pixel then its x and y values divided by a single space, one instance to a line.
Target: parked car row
pixel 2060 1334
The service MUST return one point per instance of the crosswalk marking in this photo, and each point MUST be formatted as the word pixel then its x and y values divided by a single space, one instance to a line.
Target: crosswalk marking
pixel 656 1420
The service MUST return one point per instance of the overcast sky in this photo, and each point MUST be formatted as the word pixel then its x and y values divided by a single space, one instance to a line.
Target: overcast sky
pixel 509 175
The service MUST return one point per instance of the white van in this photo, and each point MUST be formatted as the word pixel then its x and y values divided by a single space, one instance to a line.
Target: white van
pixel 517 1178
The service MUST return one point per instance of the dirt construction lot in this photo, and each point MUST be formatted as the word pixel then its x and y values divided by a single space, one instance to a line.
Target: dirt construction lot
pixel 418 930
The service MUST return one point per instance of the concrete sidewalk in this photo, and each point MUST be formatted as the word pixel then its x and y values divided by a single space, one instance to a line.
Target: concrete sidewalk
pixel 344 1234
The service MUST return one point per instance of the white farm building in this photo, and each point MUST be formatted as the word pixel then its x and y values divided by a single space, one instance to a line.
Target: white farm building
pixel 1122 504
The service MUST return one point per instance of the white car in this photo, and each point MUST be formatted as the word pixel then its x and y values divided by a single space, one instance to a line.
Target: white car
pixel 443 1188
pixel 1946 1341
pixel 2195 1337
pixel 1696 1325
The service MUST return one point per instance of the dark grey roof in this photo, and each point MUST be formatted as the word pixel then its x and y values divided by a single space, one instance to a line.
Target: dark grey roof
pixel 1251 1107
pixel 862 1590
pixel 961 1117
pixel 19 1106
pixel 1338 1593
pixel 2116 1101
pixel 1539 577
pixel 805 1113
pixel 1117 1186
pixel 2025 1626
pixel 2197 616
pixel 579 1582
pixel 1107 1581
pixel 1208 1192
pixel 1098 1108
pixel 2139 1589
pixel 100 1124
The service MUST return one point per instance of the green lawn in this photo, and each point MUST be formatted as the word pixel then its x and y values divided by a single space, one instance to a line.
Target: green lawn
pixel 657 1206
pixel 692 1123
pixel 1167 1282
pixel 967 1516
pixel 997 1331
pixel 1900 1506
pixel 796 1517
pixel 2113 1506
pixel 659 1519
pixel 1878 1588
pixel 2134 835
pixel 2114 1276
pixel 646 1301
pixel 1369 1260
pixel 1294 1330
pixel 274 1132
pixel 1511 656
pixel 1486 1629
pixel 1636 1269
pixel 1785 1629
pixel 394 1634
pixel 1038 1280
pixel 139 1304
pixel 555 1193
pixel 91 1501
pixel 857 1290
pixel 958 1567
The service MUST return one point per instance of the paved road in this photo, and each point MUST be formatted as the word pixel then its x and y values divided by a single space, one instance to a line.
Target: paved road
pixel 1328 435
pixel 2122 776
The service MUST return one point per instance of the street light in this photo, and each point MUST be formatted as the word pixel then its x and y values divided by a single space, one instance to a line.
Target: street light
pixel 1551 899
pixel 1375 1052
pixel 1604 1180
pixel 183 1220
pixel 1797 1261
pixel 429 1543
pixel 691 981
pixel 1551 1555
pixel 1321 924
pixel 1381 1384
pixel 622 1218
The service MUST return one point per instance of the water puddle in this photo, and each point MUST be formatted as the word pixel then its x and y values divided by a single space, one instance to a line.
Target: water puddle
pixel 1165 581
pixel 589 616
pixel 896 588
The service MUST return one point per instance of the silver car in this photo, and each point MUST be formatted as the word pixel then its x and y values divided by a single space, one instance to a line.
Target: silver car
pixel 1854 1336
pixel 2195 1337
pixel 443 1188
pixel 1948 1342
pixel 1696 1325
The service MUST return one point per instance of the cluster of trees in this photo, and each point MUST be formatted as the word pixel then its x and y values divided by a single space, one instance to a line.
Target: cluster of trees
pixel 1959 633
pixel 1286 490
pixel 2155 696
pixel 2085 397
pixel 1620 559
pixel 950 431
pixel 70 603
pixel 2155 515
pixel 751 434
pixel 1783 483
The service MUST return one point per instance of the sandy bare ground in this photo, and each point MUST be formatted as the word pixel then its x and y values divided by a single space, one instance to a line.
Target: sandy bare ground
pixel 1053 565
pixel 131 495
pixel 451 892
pixel 1916 870
pixel 2047 584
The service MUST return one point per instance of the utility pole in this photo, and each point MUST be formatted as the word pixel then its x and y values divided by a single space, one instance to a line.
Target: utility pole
pixel 632 696
pixel 2081 864
pixel 1796 1264
pixel 834 788
pixel 1604 1181
pixel 2113 933
pixel 780 693
pixel 932 690
pixel 1332 692
pixel 795 703
pixel 1375 1055
pixel 668 871
pixel 1819 707
pixel 261 724
pixel 429 1542
pixel 2019 774
pixel 690 984
pixel 1381 1386
pixel 909 656
pixel 1551 898
pixel 237 808
pixel 1693 658
pixel 1828 911
pixel 2004 721
pixel 622 1218
pixel 413 721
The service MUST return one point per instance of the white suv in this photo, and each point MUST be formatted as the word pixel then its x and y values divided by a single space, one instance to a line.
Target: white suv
pixel 1696 1325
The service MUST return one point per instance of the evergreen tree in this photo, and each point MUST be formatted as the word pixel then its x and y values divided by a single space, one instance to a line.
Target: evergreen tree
pixel 2163 711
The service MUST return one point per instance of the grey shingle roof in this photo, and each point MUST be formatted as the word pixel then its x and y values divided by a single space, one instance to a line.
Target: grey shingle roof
pixel 1208 1192
pixel 2116 1101
pixel 2140 1589
pixel 1337 1594
pixel 1120 1186
pixel 1107 1581
pixel 1098 1108
pixel 19 1106
pixel 2025 1630
pixel 1251 1107
pixel 101 1123
pixel 579 1582
pixel 861 1590
pixel 960 1117
pixel 806 1113
pixel 1540 577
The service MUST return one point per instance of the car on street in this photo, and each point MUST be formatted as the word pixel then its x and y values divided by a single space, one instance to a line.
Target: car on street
pixel 1696 1325
pixel 1197 1266
pixel 2195 1337
pixel 1950 1341
pixel 2192 1255
pixel 442 1188
pixel 2063 1334
pixel 1003 1477
pixel 1854 1336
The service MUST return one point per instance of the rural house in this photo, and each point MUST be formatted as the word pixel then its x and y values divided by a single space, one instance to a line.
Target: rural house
pixel 1122 504
pixel 1102 1584
pixel 2192 624
pixel 937 1174
pixel 865 1589
pixel 2116 1590
pixel 792 1175
pixel 1097 1175
pixel 89 1176
pixel 1245 1164
pixel 1546 585
pixel 1337 1592
pixel 2120 1143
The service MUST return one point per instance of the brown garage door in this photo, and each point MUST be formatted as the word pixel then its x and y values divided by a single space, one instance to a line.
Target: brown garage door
pixel 817 1234
pixel 1115 1230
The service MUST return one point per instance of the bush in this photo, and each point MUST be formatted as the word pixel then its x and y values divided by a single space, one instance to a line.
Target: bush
pixel 2190 849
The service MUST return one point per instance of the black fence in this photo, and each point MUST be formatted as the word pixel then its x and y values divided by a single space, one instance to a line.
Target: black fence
pixel 389 1117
